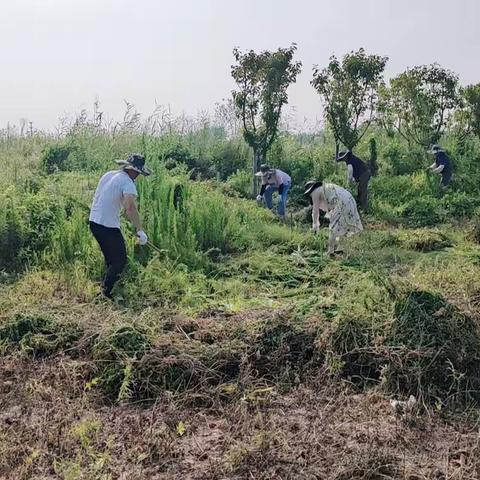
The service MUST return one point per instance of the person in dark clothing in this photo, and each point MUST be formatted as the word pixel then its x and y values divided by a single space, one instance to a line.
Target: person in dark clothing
pixel 358 172
pixel 441 165
pixel 116 190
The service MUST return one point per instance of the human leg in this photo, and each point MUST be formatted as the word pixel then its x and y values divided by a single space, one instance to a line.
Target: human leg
pixel 268 196
pixel 114 252
pixel 362 197
pixel 283 201
pixel 118 260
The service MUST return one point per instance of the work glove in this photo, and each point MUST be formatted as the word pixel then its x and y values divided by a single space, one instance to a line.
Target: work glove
pixel 259 198
pixel 142 237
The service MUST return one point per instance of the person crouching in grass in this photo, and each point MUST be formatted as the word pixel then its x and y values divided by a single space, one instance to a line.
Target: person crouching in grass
pixel 340 209
pixel 116 190
pixel 442 165
pixel 274 180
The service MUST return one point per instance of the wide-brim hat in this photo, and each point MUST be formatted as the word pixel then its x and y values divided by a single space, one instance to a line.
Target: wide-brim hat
pixel 311 186
pixel 264 170
pixel 135 162
pixel 434 149
pixel 342 155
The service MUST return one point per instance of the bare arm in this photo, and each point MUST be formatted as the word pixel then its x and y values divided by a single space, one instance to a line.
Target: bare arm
pixel 316 210
pixel 439 169
pixel 349 174
pixel 131 210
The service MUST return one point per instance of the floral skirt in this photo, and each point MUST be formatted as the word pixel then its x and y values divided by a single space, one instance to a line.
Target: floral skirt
pixel 344 217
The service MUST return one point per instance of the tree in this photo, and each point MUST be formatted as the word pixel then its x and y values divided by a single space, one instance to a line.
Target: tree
pixel 349 91
pixel 471 108
pixel 262 80
pixel 418 103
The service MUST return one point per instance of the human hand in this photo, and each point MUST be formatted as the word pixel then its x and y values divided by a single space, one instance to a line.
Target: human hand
pixel 142 237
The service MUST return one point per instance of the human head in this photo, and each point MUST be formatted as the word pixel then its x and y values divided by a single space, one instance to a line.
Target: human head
pixel 343 155
pixel 134 166
pixel 311 186
pixel 264 170
pixel 434 149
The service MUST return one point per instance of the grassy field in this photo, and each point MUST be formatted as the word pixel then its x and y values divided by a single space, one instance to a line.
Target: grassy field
pixel 236 348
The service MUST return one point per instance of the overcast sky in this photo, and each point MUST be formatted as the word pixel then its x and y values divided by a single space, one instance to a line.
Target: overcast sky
pixel 57 56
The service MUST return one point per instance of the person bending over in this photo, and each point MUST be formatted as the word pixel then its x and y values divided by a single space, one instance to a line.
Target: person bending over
pixel 274 180
pixel 358 172
pixel 442 165
pixel 116 190
pixel 340 209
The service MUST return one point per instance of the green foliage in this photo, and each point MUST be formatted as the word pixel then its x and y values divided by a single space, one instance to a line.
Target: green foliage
pixel 38 336
pixel 470 113
pixel 424 240
pixel 241 181
pixel 262 80
pixel 422 212
pixel 460 204
pixel 401 160
pixel 54 158
pixel 418 103
pixel 27 223
pixel 349 93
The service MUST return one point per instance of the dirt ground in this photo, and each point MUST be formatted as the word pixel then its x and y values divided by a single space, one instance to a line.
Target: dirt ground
pixel 54 425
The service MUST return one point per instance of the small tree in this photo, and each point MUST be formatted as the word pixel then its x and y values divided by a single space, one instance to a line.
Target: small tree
pixel 262 80
pixel 349 90
pixel 471 108
pixel 418 103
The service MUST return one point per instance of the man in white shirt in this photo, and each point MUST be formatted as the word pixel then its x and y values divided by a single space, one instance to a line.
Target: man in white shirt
pixel 116 190
pixel 274 180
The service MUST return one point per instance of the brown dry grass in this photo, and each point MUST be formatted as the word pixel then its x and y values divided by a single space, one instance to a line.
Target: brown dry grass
pixel 53 426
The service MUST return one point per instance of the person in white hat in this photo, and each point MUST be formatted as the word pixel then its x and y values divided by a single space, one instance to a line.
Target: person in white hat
pixel 116 190
pixel 340 208
pixel 441 165
pixel 273 180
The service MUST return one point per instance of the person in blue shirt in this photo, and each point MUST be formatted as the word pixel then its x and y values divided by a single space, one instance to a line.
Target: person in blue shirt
pixel 358 172
pixel 441 165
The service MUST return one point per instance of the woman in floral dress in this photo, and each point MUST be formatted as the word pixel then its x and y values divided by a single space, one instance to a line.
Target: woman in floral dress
pixel 339 207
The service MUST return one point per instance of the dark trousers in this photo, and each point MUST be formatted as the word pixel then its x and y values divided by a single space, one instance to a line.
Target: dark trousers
pixel 446 178
pixel 113 248
pixel 362 191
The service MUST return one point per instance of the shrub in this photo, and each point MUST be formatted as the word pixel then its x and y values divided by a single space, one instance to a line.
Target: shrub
pixel 422 212
pixel 241 182
pixel 38 336
pixel 460 204
pixel 54 158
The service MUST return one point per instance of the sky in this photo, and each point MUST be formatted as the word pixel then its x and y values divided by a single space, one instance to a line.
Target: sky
pixel 58 56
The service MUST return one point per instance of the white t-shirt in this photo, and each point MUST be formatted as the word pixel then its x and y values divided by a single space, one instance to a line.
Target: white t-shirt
pixel 109 196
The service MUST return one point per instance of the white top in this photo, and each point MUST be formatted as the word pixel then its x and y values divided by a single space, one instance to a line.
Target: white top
pixel 109 197
pixel 276 178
